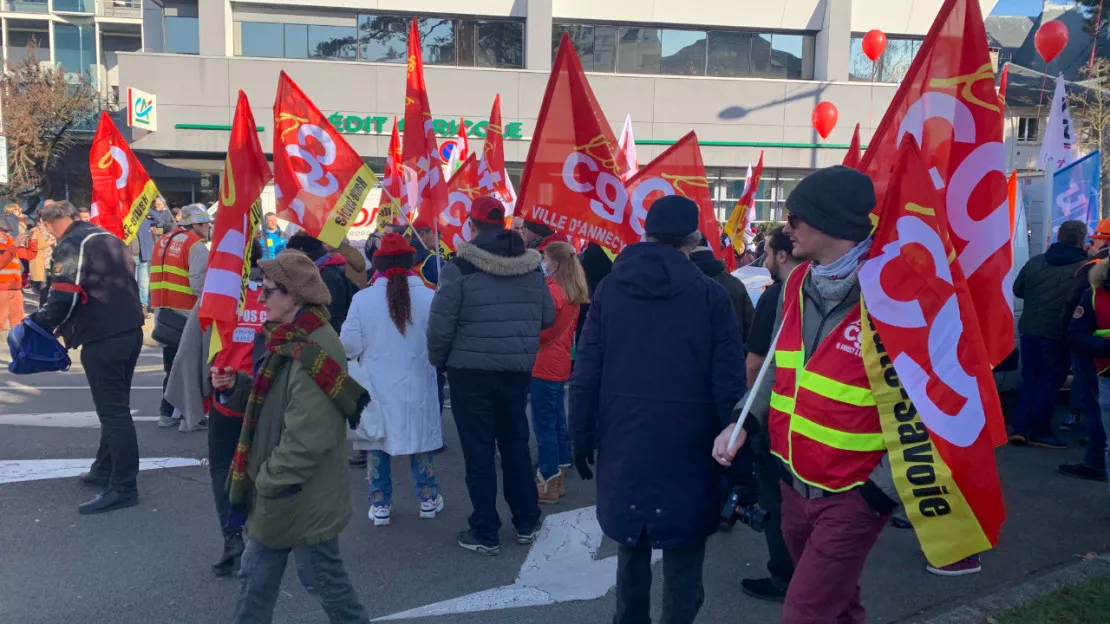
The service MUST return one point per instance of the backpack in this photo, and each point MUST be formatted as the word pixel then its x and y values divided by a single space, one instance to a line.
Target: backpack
pixel 35 350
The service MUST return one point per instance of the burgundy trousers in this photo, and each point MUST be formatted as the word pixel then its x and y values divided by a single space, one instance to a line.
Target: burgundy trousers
pixel 829 539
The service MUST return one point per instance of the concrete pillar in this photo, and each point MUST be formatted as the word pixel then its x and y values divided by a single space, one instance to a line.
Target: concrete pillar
pixel 215 27
pixel 537 35
pixel 834 42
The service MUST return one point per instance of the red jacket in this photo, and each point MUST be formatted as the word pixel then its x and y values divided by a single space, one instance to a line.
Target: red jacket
pixel 553 358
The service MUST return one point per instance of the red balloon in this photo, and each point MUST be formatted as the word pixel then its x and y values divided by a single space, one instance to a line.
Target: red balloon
pixel 824 118
pixel 874 43
pixel 1051 39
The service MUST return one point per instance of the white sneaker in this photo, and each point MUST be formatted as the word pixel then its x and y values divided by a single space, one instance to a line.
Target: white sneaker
pixel 429 509
pixel 379 514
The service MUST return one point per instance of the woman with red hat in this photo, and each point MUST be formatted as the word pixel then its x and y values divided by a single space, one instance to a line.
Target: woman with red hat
pixel 385 334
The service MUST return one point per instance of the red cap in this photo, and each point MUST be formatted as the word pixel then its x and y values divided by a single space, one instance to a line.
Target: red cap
pixel 1102 232
pixel 394 245
pixel 487 209
pixel 420 223
pixel 554 238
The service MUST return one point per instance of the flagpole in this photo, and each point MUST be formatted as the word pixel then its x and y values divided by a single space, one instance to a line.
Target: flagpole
pixel 755 388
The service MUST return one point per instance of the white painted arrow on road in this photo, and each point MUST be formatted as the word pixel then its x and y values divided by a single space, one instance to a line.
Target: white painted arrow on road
pixel 561 567
pixel 14 471
pixel 76 420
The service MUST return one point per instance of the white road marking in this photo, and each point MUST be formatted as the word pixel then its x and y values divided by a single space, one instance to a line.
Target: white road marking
pixel 18 470
pixel 15 386
pixel 75 420
pixel 560 567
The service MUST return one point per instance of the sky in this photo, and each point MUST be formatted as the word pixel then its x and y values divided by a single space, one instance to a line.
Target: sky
pixel 1017 7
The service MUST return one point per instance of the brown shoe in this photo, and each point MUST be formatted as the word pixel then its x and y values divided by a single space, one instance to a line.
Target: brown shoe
pixel 548 490
pixel 563 469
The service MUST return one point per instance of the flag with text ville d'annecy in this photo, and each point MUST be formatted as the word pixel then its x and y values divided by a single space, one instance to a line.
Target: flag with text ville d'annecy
pixel 493 179
pixel 245 175
pixel 677 171
pixel 122 192
pixel 462 190
pixel 948 103
pixel 572 178
pixel 425 186
pixel 320 182
pixel 936 403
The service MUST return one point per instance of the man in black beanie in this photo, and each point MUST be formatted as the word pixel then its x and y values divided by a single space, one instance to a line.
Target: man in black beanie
pixel 816 403
pixel 660 365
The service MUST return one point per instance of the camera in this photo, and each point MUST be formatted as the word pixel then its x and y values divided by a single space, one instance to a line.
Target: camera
pixel 736 508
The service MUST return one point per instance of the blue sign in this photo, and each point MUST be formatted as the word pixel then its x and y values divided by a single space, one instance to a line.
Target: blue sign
pixel 1075 194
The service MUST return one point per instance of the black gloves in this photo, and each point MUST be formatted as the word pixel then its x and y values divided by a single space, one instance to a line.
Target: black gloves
pixel 583 459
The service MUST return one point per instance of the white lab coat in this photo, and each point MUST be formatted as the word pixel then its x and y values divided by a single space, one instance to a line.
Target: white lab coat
pixel 395 369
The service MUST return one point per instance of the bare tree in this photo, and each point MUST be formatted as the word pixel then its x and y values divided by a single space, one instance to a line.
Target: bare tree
pixel 43 106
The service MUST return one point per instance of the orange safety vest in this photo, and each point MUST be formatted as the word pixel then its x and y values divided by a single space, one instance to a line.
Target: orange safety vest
pixel 823 421
pixel 13 271
pixel 169 271
pixel 1100 302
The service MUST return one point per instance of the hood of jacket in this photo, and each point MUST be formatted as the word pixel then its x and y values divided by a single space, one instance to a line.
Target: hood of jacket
pixel 1059 254
pixel 501 253
pixel 1099 273
pixel 654 271
pixel 704 259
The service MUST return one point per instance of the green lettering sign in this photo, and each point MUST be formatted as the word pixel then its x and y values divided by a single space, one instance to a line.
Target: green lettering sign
pixel 444 128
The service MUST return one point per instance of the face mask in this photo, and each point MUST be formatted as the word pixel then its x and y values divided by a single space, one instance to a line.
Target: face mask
pixel 546 270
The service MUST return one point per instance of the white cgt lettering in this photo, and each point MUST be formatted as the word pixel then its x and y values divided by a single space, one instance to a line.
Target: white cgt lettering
pixel 570 167
pixel 311 181
pixel 992 232
pixel 639 201
pixel 907 314
pixel 120 157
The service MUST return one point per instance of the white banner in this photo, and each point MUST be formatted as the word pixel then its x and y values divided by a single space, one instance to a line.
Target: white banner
pixel 1059 137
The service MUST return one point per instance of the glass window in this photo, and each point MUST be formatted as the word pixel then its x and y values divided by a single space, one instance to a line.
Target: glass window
pixel 897 58
pixel 21 34
pixel 74 6
pixel 639 52
pixel 75 49
pixel 383 38
pixel 437 41
pixel 1028 129
pixel 331 42
pixel 730 53
pixel 860 68
pixel 466 37
pixel 500 44
pixel 786 56
pixel 761 56
pixel 25 6
pixel 296 41
pixel 261 39
pixel 182 35
pixel 683 52
pixel 605 48
pixel 581 37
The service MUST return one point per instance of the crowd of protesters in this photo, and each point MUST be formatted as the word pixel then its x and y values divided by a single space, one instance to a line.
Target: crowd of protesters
pixel 338 347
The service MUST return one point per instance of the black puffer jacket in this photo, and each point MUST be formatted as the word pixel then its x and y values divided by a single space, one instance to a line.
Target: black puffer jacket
pixel 491 304
pixel 1049 284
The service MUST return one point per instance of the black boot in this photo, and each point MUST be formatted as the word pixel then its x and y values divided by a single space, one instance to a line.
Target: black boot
pixel 233 549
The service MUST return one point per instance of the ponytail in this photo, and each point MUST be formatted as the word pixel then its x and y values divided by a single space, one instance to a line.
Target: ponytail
pixel 397 296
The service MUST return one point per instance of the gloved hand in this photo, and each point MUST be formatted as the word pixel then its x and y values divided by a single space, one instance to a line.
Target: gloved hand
pixel 583 459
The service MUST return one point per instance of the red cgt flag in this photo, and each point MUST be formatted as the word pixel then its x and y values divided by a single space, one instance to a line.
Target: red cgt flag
pixel 122 192
pixel 493 179
pixel 425 188
pixel 320 182
pixel 463 189
pixel 389 207
pixel 246 174
pixel 948 103
pixel 573 173
pixel 939 404
pixel 852 158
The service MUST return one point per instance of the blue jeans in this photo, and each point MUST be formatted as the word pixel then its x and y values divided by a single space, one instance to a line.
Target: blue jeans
pixel 423 475
pixel 320 570
pixel 142 275
pixel 549 422
pixel 1084 392
pixel 1044 367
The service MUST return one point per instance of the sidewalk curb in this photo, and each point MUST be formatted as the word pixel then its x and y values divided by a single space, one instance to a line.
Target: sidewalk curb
pixel 1013 596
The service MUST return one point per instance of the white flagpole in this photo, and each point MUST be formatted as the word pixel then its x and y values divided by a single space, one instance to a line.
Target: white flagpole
pixel 755 388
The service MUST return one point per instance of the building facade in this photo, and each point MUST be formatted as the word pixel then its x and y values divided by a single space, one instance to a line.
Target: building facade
pixel 744 76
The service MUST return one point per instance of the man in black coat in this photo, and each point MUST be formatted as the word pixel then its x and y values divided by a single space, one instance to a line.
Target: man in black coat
pixel 703 257
pixel 333 270
pixel 94 304
pixel 660 366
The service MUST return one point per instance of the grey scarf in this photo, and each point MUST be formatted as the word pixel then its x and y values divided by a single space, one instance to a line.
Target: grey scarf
pixel 835 280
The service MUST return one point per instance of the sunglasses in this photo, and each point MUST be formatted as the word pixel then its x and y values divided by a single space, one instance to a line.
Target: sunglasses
pixel 269 292
pixel 793 221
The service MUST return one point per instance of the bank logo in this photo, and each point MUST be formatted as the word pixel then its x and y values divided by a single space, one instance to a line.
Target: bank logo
pixel 142 110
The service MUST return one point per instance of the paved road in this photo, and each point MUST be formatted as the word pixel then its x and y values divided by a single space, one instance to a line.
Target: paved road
pixel 150 563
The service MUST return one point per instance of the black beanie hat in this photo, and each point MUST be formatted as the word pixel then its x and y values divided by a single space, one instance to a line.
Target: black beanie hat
pixel 672 217
pixel 836 200
pixel 538 228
